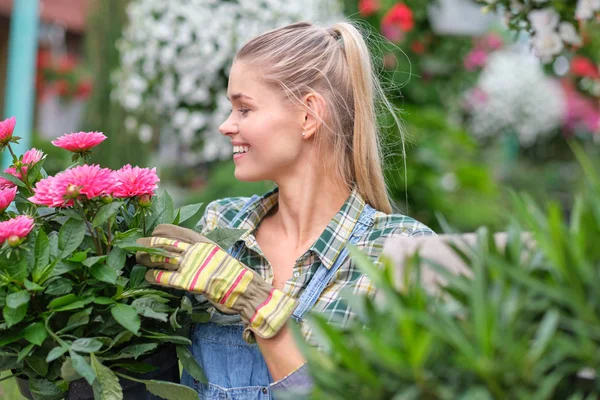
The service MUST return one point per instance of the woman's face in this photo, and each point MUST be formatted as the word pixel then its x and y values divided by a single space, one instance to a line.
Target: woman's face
pixel 265 128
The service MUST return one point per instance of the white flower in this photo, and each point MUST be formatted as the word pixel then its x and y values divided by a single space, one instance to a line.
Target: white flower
pixel 543 20
pixel 519 98
pixel 586 9
pixel 546 45
pixel 568 34
pixel 175 56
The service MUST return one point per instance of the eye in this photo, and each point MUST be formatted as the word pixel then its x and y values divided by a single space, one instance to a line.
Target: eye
pixel 244 111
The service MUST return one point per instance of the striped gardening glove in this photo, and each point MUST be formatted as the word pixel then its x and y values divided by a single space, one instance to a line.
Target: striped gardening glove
pixel 198 265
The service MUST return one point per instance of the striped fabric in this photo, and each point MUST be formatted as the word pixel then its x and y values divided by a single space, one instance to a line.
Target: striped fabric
pixel 325 250
pixel 207 269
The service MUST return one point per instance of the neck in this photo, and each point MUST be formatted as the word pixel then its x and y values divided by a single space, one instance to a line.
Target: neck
pixel 306 206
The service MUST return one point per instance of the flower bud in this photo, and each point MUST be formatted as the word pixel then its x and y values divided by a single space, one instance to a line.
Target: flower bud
pixel 145 200
pixel 72 192
pixel 106 198
pixel 14 240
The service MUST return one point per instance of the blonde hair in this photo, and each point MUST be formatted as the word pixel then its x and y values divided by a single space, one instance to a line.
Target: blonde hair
pixel 335 63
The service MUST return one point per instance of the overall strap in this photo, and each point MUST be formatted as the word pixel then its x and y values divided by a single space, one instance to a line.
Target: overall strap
pixel 236 248
pixel 323 276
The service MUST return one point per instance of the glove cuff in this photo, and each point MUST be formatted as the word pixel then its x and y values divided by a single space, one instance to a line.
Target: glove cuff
pixel 263 309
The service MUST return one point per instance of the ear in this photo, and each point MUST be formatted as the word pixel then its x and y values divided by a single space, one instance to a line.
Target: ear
pixel 315 115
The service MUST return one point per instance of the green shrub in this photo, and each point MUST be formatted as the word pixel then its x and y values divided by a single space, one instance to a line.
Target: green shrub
pixel 524 325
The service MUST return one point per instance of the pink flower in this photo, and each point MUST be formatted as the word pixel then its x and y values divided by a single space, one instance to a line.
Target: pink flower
pixel 6 197
pixel 135 181
pixel 15 229
pixel 44 193
pixel 400 16
pixel 90 181
pixel 475 59
pixel 32 156
pixel 7 127
pixel 5 183
pixel 79 142
pixel 14 172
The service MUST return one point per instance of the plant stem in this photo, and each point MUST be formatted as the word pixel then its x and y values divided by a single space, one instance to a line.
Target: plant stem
pixel 51 333
pixel 7 377
pixel 15 159
pixel 109 235
pixel 89 226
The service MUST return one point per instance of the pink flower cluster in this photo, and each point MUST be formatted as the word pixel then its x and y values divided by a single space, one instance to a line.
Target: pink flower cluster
pixel 477 57
pixel 31 157
pixel 91 181
pixel 15 229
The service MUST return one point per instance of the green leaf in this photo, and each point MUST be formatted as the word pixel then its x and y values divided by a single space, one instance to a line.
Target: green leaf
pixel 64 300
pixel 18 270
pixel 13 316
pixel 137 277
pixel 111 388
pixel 190 364
pixel 38 364
pixel 82 367
pixel 32 287
pixel 25 351
pixel 105 212
pixel 70 236
pixel 36 333
pixel 126 316
pixel 544 334
pixel 133 247
pixel 136 366
pixel 200 317
pixel 42 255
pixel 166 390
pixel 34 171
pixel 17 299
pixel 93 260
pixel 225 237
pixel 173 320
pixel 56 353
pixel 150 308
pixel 104 273
pixel 59 286
pixel 116 258
pixel 169 338
pixel 86 345
pixel 190 215
pixel 79 256
pixel 13 179
pixel 103 301
pixel 162 210
pixel 44 389
pixel 136 350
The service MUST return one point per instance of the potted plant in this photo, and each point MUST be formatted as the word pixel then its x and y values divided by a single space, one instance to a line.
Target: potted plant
pixel 78 317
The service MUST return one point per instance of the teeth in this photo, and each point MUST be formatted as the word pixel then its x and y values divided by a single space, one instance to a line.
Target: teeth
pixel 241 149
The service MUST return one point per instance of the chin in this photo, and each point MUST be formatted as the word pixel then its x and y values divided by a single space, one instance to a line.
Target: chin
pixel 248 177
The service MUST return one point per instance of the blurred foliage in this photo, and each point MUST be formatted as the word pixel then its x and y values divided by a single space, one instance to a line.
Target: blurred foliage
pixel 445 173
pixel 104 28
pixel 524 324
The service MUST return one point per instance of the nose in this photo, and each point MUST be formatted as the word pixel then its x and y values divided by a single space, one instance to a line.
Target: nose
pixel 229 126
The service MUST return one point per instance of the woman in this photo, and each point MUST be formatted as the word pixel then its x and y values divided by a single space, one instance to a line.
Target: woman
pixel 303 117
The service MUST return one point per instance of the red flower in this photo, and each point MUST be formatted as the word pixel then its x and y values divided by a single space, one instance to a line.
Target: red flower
pixel 368 7
pixel 584 67
pixel 417 47
pixel 84 88
pixel 400 16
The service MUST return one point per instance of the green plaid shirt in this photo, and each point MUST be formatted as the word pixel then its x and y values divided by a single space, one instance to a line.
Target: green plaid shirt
pixel 220 214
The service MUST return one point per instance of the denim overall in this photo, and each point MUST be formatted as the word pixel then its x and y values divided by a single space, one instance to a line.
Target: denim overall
pixel 235 369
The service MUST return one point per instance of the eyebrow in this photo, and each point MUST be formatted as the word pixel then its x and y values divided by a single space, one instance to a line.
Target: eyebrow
pixel 238 96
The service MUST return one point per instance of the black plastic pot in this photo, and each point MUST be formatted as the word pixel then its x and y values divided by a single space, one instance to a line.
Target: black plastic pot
pixel 168 370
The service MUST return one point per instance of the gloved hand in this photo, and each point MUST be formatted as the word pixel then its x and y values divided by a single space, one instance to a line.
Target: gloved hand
pixel 198 265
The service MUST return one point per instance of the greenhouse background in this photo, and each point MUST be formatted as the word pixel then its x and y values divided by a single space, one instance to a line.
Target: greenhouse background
pixel 492 94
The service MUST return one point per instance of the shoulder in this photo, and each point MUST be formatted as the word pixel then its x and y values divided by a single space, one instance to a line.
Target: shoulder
pixel 220 213
pixel 387 225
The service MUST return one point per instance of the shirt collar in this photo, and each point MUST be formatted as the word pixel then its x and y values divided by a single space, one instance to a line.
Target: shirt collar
pixel 333 239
